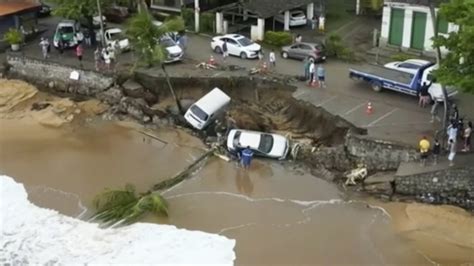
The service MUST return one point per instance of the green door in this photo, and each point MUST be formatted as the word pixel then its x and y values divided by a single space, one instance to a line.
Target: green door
pixel 397 18
pixel 418 30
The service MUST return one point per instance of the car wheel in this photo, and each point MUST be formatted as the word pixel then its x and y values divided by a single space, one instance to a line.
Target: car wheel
pixel 376 86
pixel 243 55
pixel 218 50
pixel 284 55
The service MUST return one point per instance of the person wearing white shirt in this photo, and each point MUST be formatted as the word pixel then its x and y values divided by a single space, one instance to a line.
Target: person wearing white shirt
pixel 312 73
pixel 272 58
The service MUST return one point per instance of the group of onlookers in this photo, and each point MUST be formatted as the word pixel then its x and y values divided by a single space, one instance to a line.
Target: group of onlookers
pixel 458 133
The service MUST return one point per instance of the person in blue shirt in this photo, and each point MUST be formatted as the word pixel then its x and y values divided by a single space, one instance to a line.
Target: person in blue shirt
pixel 321 76
pixel 246 157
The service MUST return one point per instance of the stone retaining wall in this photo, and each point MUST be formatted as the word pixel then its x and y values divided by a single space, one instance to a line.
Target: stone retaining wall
pixel 378 154
pixel 451 186
pixel 57 76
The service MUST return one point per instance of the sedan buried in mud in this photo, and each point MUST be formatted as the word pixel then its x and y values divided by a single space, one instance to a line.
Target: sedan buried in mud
pixel 263 144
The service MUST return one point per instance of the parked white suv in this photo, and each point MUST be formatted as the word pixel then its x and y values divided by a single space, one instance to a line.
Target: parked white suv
pixel 237 45
pixel 297 18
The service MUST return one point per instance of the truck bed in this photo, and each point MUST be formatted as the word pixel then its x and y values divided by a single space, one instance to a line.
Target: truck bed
pixel 384 73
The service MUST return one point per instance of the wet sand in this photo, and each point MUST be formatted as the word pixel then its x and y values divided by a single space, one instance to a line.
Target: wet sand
pixel 277 215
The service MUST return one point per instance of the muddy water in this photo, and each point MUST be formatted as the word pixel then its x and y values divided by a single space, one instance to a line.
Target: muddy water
pixel 277 214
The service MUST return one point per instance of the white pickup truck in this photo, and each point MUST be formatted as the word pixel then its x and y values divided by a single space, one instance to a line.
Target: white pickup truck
pixel 115 36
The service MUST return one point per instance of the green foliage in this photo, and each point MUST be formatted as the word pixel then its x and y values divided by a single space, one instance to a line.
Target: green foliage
pixel 188 16
pixel 12 36
pixel 207 21
pixel 76 9
pixel 336 48
pixel 144 36
pixel 400 57
pixel 278 38
pixel 376 4
pixel 125 206
pixel 457 68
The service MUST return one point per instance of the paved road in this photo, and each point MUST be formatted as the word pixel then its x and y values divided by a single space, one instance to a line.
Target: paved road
pixel 395 116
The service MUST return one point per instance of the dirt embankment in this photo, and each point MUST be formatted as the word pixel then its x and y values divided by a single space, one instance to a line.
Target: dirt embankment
pixel 20 100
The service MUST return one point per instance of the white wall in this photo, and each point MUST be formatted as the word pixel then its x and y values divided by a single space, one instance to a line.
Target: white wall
pixel 407 26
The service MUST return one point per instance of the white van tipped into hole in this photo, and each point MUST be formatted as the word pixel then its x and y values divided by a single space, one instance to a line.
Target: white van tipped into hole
pixel 206 109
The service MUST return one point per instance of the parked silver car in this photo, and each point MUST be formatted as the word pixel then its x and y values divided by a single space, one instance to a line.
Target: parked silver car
pixel 302 50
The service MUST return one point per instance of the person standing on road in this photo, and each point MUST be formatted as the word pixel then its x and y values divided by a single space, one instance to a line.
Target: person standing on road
pixel 455 113
pixel 112 58
pixel 97 59
pixel 424 149
pixel 298 38
pixel 306 65
pixel 79 53
pixel 247 155
pixel 467 137
pixel 452 151
pixel 107 60
pixel 436 151
pixel 452 131
pixel 312 73
pixel 321 76
pixel 224 50
pixel 44 47
pixel 424 95
pixel 272 58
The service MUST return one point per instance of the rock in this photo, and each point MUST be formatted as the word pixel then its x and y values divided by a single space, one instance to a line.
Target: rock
pixel 133 89
pixel 83 90
pixel 51 85
pixel 39 106
pixel 150 98
pixel 146 119
pixel 111 96
pixel 135 112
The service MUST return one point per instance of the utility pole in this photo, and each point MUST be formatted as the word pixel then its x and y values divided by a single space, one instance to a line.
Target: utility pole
pixel 102 39
pixel 196 15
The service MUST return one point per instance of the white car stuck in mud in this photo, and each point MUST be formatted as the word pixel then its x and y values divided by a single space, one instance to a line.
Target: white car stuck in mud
pixel 263 144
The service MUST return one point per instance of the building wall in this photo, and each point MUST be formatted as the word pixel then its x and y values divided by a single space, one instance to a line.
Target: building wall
pixel 407 27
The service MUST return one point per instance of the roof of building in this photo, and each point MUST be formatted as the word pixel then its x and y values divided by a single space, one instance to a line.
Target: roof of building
pixel 9 8
pixel 270 8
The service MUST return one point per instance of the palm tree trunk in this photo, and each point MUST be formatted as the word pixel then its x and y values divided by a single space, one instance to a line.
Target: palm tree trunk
pixel 178 103
pixel 434 21
pixel 183 174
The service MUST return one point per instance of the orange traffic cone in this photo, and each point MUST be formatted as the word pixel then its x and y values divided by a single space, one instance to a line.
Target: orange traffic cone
pixel 211 60
pixel 369 108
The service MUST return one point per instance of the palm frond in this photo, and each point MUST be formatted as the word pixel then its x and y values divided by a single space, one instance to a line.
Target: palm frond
pixel 113 198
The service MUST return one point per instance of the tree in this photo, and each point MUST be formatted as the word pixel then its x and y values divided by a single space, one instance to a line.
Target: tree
pixel 144 36
pixel 78 9
pixel 457 68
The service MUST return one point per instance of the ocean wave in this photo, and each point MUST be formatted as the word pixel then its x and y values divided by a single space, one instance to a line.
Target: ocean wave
pixel 34 235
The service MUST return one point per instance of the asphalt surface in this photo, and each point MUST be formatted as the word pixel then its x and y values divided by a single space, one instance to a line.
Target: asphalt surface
pixel 394 116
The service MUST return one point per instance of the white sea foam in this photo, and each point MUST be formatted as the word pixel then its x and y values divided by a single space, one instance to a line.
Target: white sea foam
pixel 34 235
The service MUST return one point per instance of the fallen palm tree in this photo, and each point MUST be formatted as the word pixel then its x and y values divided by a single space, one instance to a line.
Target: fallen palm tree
pixel 126 206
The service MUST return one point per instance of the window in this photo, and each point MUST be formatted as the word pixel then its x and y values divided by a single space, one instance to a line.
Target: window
pixel 266 143
pixel 305 47
pixel 409 65
pixel 442 25
pixel 199 113
pixel 231 41
pixel 245 41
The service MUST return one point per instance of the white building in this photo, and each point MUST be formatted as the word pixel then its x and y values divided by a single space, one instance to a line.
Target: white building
pixel 410 26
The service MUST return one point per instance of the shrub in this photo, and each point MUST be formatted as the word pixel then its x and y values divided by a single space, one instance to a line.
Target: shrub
pixel 278 38
pixel 13 36
pixel 400 57
pixel 336 48
pixel 207 21
pixel 188 16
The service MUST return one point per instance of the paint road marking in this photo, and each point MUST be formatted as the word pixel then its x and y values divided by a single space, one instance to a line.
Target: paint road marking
pixel 382 117
pixel 353 109
pixel 326 101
